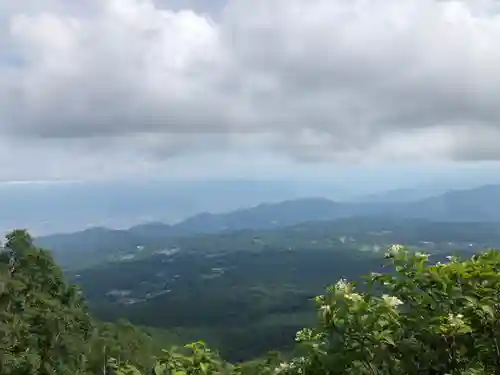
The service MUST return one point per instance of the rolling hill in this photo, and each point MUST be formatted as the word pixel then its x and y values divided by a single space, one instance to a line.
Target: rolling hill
pixel 97 244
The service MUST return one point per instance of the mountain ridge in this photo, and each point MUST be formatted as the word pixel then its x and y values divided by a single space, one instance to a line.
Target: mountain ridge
pixel 472 205
pixel 292 211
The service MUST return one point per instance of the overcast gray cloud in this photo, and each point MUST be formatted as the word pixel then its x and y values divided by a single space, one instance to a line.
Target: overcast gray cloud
pixel 140 81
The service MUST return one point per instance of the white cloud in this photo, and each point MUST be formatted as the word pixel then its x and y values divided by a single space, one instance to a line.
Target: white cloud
pixel 358 80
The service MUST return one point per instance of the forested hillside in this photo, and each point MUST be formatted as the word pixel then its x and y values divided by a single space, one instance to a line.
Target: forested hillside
pixel 417 318
pixel 45 325
pixel 248 291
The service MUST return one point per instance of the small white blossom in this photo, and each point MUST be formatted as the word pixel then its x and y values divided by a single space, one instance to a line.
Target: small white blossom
pixel 342 285
pixel 296 365
pixel 283 367
pixel 456 321
pixel 354 297
pixel 391 300
pixel 452 258
pixel 394 250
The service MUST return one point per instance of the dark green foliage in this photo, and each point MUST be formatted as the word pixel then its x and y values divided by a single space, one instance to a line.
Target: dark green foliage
pixel 45 327
pixel 430 319
pixel 43 319
pixel 257 305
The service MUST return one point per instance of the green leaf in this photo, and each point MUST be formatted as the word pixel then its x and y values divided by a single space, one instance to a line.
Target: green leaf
pixel 388 339
pixel 204 368
pixel 489 310
pixel 472 300
pixel 159 369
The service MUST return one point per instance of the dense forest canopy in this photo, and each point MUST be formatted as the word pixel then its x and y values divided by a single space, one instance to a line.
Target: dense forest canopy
pixel 417 318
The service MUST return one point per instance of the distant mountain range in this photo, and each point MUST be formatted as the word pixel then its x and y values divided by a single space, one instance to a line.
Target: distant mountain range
pixel 67 207
pixel 472 205
pixel 400 195
pixel 479 204
pixel 57 207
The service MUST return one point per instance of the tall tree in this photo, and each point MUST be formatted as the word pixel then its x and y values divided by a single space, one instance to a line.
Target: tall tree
pixel 44 322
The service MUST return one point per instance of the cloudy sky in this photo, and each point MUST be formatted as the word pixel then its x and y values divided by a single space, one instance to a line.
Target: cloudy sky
pixel 98 89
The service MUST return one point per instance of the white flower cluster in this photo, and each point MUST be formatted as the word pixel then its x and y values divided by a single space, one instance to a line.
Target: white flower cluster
pixel 456 321
pixel 283 368
pixel 343 286
pixel 394 250
pixel 391 301
pixel 295 366
pixel 347 290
